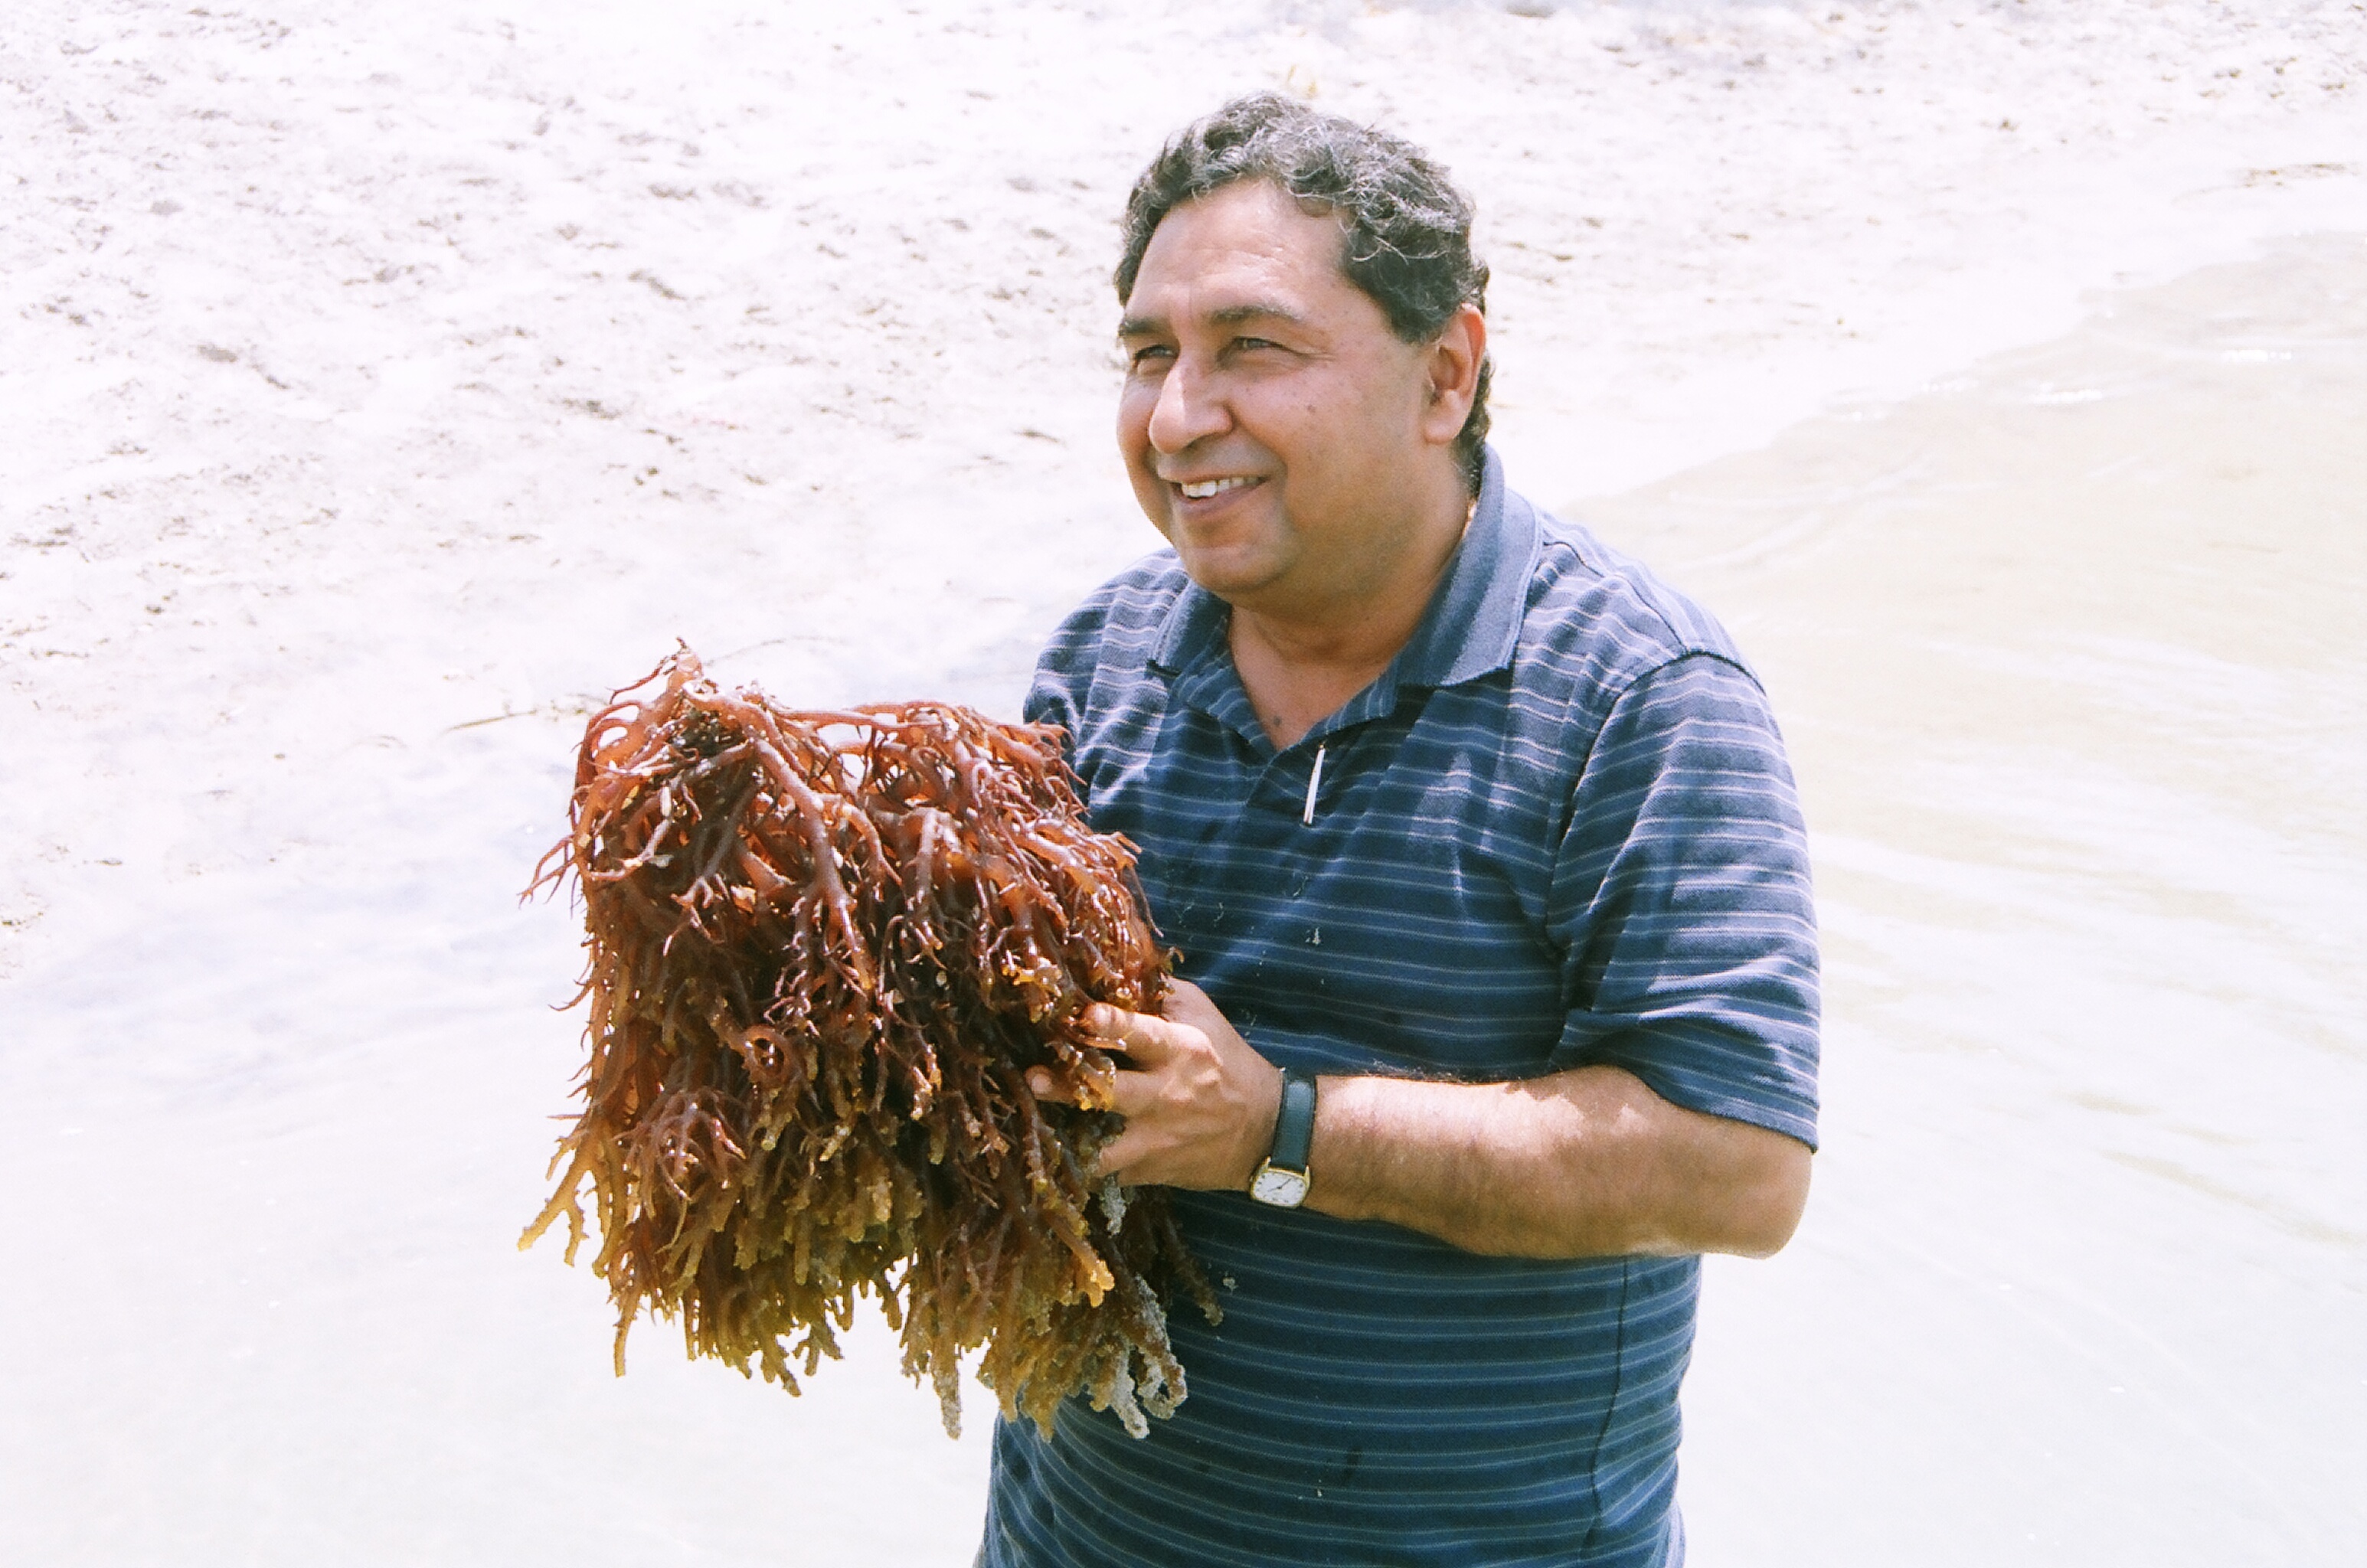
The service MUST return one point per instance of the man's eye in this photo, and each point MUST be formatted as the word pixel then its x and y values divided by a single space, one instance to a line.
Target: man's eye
pixel 1250 343
pixel 1150 353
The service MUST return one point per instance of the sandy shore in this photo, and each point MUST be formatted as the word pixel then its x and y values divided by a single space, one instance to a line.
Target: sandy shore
pixel 379 389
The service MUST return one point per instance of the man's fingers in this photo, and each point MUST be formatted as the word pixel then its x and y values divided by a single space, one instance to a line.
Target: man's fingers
pixel 1121 1152
pixel 1130 1095
pixel 1141 1042
pixel 1186 1000
pixel 1144 1039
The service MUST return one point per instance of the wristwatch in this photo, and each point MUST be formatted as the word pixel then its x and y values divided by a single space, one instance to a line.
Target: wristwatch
pixel 1282 1180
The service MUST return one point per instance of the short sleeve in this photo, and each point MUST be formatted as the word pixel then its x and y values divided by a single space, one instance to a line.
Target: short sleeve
pixel 1054 695
pixel 1048 702
pixel 1682 903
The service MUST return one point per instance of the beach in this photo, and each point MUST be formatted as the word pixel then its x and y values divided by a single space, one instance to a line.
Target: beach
pixel 381 389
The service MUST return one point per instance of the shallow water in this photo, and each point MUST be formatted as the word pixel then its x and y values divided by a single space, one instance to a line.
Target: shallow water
pixel 2072 654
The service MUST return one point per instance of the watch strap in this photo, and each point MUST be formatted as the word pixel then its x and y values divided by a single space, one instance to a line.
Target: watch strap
pixel 1294 1124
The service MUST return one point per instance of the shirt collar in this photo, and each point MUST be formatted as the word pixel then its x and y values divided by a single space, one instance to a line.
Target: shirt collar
pixel 1474 620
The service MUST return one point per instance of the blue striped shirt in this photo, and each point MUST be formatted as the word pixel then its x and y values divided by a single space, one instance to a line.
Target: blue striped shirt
pixel 1558 830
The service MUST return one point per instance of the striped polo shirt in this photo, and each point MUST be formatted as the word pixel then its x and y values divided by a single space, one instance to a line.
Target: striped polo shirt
pixel 1558 830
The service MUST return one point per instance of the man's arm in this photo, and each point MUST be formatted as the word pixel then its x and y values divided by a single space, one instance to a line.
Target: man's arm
pixel 1583 1162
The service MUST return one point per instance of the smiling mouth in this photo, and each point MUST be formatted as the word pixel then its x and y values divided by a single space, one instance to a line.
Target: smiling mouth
pixel 1201 489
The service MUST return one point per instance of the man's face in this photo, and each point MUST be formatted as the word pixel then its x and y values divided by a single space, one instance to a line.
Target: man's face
pixel 1271 421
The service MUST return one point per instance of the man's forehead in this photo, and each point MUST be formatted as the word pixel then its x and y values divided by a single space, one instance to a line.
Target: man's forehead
pixel 1246 253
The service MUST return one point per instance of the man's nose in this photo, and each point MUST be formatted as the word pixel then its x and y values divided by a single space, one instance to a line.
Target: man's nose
pixel 1191 407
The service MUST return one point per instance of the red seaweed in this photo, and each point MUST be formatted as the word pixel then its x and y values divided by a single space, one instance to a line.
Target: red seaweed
pixel 825 950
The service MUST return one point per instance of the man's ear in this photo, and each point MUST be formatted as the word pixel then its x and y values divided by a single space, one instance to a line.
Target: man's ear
pixel 1455 357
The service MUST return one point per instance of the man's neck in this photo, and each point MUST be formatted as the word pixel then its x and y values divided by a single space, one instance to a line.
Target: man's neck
pixel 1301 663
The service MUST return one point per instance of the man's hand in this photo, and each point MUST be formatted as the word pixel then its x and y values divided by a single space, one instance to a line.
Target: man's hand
pixel 1199 1101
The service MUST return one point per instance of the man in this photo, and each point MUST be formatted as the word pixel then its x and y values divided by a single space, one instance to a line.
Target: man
pixel 1485 866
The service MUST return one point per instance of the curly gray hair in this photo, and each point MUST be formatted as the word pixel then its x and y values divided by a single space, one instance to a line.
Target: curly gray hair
pixel 1405 227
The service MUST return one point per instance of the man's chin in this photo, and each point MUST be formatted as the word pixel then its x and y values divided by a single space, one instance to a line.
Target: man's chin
pixel 1230 578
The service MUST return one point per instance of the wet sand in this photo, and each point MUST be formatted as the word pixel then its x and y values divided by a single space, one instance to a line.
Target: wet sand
pixel 2072 653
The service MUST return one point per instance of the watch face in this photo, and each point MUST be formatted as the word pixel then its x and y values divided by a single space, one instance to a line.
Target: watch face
pixel 1282 1189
